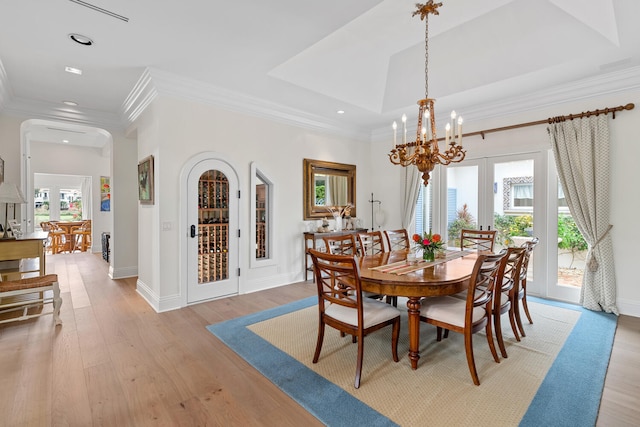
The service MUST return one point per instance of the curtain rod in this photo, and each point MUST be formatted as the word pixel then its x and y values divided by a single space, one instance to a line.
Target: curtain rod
pixel 551 120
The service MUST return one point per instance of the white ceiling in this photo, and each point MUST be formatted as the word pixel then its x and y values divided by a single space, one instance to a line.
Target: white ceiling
pixel 305 60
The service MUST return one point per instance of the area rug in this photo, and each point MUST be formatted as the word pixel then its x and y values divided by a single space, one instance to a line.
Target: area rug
pixel 553 377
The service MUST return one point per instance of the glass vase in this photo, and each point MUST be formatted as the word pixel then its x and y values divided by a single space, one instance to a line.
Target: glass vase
pixel 428 255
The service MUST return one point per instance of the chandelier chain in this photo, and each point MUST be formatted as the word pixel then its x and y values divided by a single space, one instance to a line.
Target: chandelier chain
pixel 426 58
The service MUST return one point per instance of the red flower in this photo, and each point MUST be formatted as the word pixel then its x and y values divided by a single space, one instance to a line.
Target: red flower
pixel 417 238
pixel 436 238
pixel 426 242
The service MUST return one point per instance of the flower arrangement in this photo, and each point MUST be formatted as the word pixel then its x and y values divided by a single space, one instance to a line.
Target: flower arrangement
pixel 429 243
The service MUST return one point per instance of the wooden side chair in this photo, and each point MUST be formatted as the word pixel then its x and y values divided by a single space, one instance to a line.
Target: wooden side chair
pixel 477 240
pixel 58 238
pixel 342 306
pixel 470 315
pixel 371 243
pixel 397 240
pixel 12 297
pixel 344 244
pixel 506 284
pixel 520 291
pixel 82 236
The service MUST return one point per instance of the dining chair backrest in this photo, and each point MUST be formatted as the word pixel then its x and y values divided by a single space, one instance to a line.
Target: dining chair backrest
pixel 529 245
pixel 397 240
pixel 370 243
pixel 507 284
pixel 337 279
pixel 477 240
pixel 482 283
pixel 344 244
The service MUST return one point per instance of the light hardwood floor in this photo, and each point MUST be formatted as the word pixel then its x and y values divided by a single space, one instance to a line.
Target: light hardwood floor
pixel 116 362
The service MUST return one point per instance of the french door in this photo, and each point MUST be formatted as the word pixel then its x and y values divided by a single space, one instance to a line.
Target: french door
pixel 516 195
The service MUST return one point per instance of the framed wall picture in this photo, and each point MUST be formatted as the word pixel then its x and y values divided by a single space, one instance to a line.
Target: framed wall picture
pixel 145 181
pixel 105 194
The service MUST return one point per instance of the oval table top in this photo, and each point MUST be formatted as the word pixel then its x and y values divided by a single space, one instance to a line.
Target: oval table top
pixel 444 278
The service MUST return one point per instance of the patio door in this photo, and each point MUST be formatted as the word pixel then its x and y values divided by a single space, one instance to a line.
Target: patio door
pixel 516 195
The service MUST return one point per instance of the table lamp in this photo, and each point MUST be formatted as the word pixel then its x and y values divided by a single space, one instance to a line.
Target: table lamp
pixel 9 193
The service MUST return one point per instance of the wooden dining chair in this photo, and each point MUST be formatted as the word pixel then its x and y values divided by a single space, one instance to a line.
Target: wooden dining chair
pixel 520 291
pixel 477 240
pixel 397 240
pixel 82 236
pixel 344 244
pixel 342 305
pixel 371 243
pixel 58 238
pixel 470 315
pixel 506 285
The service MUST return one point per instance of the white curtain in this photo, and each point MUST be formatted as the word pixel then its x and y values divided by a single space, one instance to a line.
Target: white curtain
pixel 86 197
pixel 411 189
pixel 336 191
pixel 581 150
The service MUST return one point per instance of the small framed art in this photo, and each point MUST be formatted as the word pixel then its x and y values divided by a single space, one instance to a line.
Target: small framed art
pixel 145 181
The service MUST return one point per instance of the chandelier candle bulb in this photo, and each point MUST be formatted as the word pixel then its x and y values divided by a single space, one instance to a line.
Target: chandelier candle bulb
pixel 395 128
pixel 453 125
pixel 447 136
pixel 460 130
pixel 404 128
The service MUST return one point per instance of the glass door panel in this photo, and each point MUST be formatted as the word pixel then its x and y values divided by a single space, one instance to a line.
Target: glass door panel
pixel 513 202
pixel 213 219
pixel 462 200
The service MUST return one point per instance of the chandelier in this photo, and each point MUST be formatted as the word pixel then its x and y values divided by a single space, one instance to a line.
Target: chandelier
pixel 424 152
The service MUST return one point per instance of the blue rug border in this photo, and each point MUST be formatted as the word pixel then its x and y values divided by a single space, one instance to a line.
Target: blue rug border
pixel 569 395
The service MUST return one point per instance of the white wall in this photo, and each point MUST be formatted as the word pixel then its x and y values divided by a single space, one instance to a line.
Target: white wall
pixel 174 131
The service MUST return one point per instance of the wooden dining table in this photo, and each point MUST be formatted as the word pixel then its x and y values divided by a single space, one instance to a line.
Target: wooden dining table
pixel 390 274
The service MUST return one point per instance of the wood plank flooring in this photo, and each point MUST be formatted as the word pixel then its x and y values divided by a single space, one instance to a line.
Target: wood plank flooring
pixel 116 362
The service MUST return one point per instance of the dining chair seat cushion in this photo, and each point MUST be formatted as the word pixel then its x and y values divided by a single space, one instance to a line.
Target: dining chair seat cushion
pixel 449 310
pixel 374 312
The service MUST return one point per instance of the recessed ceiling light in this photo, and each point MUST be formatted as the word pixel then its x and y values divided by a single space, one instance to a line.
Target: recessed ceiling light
pixel 340 111
pixel 70 103
pixel 80 39
pixel 73 70
pixel 66 141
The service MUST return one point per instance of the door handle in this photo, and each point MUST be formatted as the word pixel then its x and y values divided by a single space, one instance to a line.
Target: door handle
pixel 193 231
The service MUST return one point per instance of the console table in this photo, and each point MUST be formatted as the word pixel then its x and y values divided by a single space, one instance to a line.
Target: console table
pixel 310 238
pixel 22 256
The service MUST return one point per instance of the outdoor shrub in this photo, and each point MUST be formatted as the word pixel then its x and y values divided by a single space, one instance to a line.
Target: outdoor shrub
pixel 464 219
pixel 571 237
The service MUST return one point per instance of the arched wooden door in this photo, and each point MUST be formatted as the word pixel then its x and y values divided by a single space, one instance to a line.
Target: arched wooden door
pixel 212 221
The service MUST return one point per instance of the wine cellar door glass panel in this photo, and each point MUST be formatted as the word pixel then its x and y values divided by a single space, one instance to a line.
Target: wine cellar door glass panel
pixel 213 224
pixel 213 231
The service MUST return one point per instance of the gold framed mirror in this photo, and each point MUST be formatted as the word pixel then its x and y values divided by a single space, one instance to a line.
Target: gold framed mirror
pixel 327 184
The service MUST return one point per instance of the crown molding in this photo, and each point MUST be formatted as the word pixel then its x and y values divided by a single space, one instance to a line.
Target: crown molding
pixel 46 111
pixel 142 94
pixel 588 88
pixel 157 83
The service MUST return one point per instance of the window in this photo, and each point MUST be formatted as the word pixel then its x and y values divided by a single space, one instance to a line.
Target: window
pixel 517 194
